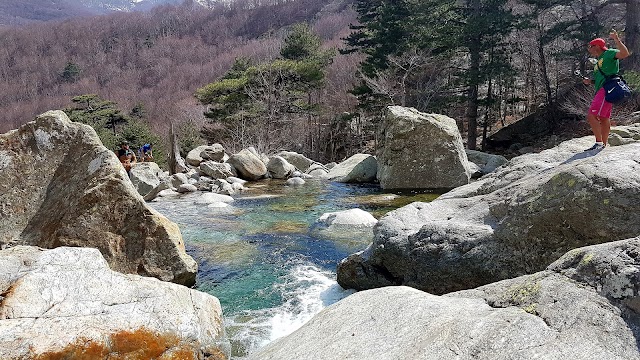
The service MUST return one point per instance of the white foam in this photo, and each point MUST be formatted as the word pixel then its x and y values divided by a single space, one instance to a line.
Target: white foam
pixel 306 290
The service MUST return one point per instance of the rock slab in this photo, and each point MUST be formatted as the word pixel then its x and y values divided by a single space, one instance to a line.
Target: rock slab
pixel 67 303
pixel 582 307
pixel 512 222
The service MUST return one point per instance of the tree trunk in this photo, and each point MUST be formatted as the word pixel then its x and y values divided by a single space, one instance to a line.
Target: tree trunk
pixel 472 99
pixel 632 34
pixel 474 80
pixel 172 152
pixel 543 67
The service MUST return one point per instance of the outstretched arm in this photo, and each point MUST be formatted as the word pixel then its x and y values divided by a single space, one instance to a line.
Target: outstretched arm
pixel 624 52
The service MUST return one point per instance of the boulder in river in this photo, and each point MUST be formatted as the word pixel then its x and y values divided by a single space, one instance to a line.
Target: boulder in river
pixel 300 161
pixel 279 168
pixel 420 151
pixel 248 165
pixel 359 168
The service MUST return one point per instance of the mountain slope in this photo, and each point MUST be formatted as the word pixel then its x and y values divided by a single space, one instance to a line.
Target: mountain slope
pixel 18 12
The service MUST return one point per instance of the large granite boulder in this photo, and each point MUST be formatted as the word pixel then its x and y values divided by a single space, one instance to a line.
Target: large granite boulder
pixel 420 151
pixel 584 306
pixel 279 168
pixel 360 168
pixel 512 222
pixel 74 192
pixel 248 165
pixel 300 161
pixel 67 304
pixel 145 176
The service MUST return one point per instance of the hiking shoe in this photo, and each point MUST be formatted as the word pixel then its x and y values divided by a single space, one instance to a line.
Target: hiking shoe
pixel 596 146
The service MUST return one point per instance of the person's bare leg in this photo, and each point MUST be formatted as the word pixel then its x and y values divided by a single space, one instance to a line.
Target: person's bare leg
pixel 605 129
pixel 596 127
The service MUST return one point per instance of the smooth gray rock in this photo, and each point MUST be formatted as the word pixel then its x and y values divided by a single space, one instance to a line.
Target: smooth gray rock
pixel 221 186
pixel 194 158
pixel 179 179
pixel 420 151
pixel 213 152
pixel 300 161
pixel 217 170
pixel 584 306
pixel 145 176
pixel 317 170
pixel 487 163
pixel 187 188
pixel 355 224
pixel 622 135
pixel 280 168
pixel 74 192
pixel 247 165
pixel 210 198
pixel 512 222
pixel 65 302
pixel 294 181
pixel 151 195
pixel 204 183
pixel 235 180
pixel 360 168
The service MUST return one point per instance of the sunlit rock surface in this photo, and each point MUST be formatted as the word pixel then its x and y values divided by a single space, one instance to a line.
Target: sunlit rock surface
pixel 61 187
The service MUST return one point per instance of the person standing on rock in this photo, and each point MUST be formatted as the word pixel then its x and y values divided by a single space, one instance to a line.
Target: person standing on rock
pixel 608 63
pixel 126 156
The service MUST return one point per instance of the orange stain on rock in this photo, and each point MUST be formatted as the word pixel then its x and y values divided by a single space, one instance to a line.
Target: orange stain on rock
pixel 141 344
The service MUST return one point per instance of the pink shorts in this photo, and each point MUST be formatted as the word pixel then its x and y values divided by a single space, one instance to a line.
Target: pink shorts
pixel 599 106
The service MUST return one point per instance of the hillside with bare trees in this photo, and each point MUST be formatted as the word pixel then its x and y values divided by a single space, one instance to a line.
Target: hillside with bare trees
pixel 157 59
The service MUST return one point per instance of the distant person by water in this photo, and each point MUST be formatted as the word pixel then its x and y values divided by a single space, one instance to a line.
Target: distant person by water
pixel 607 64
pixel 126 156
pixel 146 152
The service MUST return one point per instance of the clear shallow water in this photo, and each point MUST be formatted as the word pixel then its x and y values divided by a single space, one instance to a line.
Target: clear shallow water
pixel 259 258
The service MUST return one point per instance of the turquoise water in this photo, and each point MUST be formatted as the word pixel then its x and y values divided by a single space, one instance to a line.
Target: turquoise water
pixel 259 258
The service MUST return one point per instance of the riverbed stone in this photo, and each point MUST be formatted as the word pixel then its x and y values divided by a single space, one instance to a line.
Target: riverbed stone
pixel 187 188
pixel 210 198
pixel 295 181
pixel 179 179
pixel 67 302
pixel 145 176
pixel 485 162
pixel 213 152
pixel 317 170
pixel 420 151
pixel 248 165
pixel 355 224
pixel 216 170
pixel 194 158
pixel 511 222
pixel 279 168
pixel 74 192
pixel 359 168
pixel 583 306
pixel 300 161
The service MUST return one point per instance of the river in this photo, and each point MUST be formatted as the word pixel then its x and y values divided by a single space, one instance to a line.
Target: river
pixel 259 257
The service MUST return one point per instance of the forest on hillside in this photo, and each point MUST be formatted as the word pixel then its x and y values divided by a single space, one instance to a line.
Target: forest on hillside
pixel 486 63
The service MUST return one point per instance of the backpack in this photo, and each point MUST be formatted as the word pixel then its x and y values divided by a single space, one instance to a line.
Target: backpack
pixel 616 89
